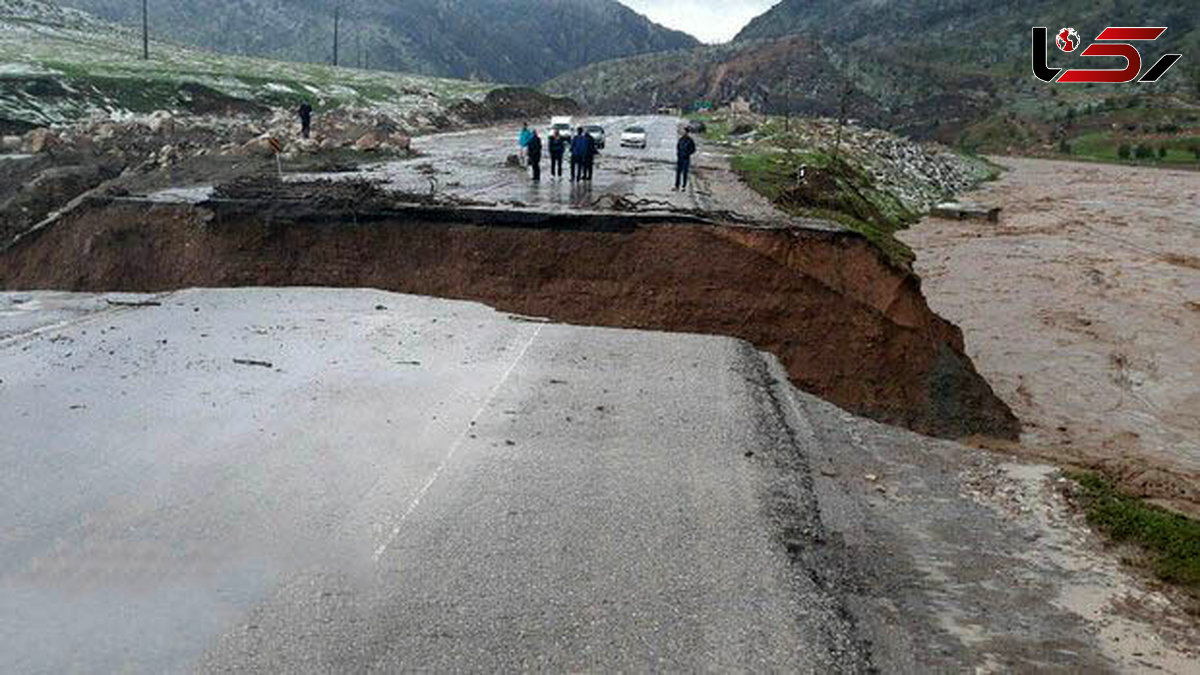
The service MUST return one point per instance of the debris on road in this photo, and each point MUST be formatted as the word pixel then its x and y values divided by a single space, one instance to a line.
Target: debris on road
pixel 253 362
pixel 134 303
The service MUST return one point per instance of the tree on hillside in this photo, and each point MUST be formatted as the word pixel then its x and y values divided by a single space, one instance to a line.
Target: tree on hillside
pixel 843 106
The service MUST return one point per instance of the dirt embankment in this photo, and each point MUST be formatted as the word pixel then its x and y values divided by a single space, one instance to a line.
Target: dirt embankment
pixel 846 325
pixel 511 103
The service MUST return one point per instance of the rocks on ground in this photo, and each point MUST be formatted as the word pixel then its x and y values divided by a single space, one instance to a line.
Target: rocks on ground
pixel 919 174
pixel 67 161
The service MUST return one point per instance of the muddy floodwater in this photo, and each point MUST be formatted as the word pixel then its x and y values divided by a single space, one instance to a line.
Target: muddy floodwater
pixel 1082 308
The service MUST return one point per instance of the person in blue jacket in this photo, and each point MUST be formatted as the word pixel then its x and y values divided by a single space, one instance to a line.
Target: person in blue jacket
pixel 582 147
pixel 523 141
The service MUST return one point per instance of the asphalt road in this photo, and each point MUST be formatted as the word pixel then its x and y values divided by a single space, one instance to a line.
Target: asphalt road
pixel 471 165
pixel 426 484
pixel 314 480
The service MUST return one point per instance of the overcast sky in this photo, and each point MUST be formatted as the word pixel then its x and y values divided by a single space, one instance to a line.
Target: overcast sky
pixel 709 20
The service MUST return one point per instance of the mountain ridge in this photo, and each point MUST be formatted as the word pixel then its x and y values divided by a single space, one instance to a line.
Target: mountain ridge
pixel 509 41
pixel 966 33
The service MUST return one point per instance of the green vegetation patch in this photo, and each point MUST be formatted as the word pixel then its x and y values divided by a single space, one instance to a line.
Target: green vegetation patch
pixel 1150 130
pixel 1180 149
pixel 1171 540
pixel 833 189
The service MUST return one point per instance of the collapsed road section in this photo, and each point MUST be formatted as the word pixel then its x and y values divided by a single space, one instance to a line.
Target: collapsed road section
pixel 847 325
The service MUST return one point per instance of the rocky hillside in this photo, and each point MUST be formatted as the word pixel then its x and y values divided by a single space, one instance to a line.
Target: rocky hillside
pixel 511 41
pixel 59 65
pixel 796 73
pixel 968 34
pixel 950 70
pixel 926 44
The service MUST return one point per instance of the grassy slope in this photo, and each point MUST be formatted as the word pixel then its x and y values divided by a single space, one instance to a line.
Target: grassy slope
pixel 1171 542
pixel 100 67
pixel 855 203
pixel 1098 131
pixel 838 188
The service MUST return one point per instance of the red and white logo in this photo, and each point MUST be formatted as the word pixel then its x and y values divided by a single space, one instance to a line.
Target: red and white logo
pixel 1111 42
pixel 1067 39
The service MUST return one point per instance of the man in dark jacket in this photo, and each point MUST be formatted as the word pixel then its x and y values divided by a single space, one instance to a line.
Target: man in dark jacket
pixel 589 162
pixel 683 155
pixel 305 119
pixel 558 148
pixel 534 151
pixel 581 147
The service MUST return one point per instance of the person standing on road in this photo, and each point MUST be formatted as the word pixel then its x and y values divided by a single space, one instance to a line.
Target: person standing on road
pixel 305 113
pixel 589 161
pixel 580 147
pixel 558 147
pixel 534 150
pixel 683 155
pixel 523 141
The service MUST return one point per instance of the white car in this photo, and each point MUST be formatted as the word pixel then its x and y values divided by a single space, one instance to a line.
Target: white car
pixel 633 137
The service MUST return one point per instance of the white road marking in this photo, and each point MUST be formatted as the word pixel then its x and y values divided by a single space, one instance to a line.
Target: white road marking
pixel 416 500
pixel 86 319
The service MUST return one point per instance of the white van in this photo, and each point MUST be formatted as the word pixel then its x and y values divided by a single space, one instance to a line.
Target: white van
pixel 563 125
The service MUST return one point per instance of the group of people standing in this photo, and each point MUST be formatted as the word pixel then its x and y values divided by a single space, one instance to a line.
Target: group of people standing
pixel 583 153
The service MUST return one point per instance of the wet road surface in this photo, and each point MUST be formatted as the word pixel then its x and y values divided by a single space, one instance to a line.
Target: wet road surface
pixel 471 165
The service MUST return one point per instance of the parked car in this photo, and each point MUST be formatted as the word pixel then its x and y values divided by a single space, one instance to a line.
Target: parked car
pixel 597 133
pixel 633 137
pixel 697 127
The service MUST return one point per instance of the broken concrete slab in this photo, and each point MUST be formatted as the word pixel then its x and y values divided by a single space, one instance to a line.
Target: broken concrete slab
pixel 966 210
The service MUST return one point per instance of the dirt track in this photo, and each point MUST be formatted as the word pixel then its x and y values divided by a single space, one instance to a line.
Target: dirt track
pixel 1082 308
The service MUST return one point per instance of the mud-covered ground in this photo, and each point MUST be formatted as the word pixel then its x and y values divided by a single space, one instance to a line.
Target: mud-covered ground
pixel 1082 309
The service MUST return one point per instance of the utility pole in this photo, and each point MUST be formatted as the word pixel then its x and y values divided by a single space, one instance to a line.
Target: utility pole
pixel 337 20
pixel 787 114
pixel 145 30
pixel 841 119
